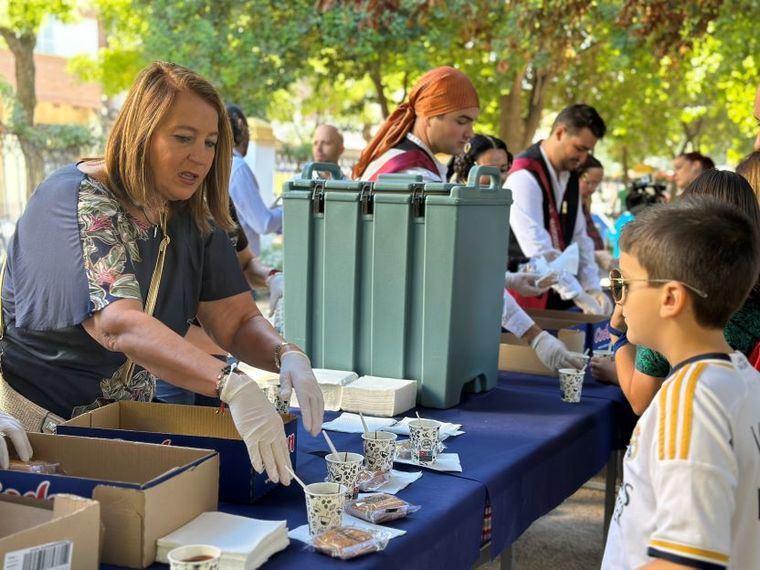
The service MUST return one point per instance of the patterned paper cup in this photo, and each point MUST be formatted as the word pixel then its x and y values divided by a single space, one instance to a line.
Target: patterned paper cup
pixel 570 384
pixel 424 435
pixel 324 506
pixel 344 469
pixel 273 395
pixel 195 557
pixel 380 450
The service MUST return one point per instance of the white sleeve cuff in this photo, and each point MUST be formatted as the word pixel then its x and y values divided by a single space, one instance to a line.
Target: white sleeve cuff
pixel 513 318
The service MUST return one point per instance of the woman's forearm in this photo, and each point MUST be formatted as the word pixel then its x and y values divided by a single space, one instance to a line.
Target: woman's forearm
pixel 254 343
pixel 155 347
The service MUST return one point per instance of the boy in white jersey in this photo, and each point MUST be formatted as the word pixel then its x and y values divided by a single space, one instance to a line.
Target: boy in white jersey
pixel 691 487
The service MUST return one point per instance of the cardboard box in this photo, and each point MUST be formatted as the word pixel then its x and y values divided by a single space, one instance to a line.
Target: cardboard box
pixel 189 426
pixel 145 491
pixel 516 355
pixel 66 528
pixel 593 326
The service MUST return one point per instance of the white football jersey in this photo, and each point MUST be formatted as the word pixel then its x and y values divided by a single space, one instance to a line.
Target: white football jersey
pixel 691 477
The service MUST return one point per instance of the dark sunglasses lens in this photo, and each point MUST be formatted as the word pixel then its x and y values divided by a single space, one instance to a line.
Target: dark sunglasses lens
pixel 616 285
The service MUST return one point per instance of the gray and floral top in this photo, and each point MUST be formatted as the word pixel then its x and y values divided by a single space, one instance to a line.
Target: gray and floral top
pixel 75 251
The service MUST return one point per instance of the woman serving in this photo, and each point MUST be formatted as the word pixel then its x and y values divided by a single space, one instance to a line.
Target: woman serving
pixel 111 261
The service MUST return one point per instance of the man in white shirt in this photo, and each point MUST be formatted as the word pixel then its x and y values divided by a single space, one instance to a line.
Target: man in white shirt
pixel 546 216
pixel 327 145
pixel 255 216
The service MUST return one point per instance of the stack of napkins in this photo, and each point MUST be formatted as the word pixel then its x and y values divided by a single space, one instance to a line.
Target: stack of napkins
pixel 332 383
pixel 379 396
pixel 245 543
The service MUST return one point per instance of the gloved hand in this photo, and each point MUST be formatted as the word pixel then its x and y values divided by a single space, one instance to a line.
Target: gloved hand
pixel 259 425
pixel 296 373
pixel 12 428
pixel 525 283
pixel 554 354
pixel 602 300
pixel 567 286
pixel 587 304
pixel 276 285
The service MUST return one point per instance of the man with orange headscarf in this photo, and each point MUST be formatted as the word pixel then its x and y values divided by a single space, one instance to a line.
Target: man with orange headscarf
pixel 437 118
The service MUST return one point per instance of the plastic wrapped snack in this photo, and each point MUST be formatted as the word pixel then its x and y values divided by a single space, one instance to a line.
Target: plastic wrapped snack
pixel 369 481
pixel 36 466
pixel 349 542
pixel 380 508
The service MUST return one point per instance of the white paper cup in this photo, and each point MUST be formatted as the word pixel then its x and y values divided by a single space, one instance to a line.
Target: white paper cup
pixel 570 384
pixel 603 353
pixel 324 506
pixel 379 450
pixel 195 557
pixel 344 469
pixel 424 435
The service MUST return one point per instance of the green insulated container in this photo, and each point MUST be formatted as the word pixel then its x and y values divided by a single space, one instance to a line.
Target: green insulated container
pixel 398 278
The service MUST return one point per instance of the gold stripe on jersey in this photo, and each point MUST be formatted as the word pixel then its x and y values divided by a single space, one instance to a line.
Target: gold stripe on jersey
pixel 675 391
pixel 690 550
pixel 662 415
pixel 688 413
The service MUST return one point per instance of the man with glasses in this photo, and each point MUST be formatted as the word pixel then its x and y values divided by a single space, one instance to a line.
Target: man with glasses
pixel 547 217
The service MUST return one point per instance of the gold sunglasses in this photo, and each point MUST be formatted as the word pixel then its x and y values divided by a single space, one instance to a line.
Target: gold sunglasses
pixel 619 285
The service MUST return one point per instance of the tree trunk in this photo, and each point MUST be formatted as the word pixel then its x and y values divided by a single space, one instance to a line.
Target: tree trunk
pixel 510 115
pixel 377 80
pixel 535 106
pixel 22 48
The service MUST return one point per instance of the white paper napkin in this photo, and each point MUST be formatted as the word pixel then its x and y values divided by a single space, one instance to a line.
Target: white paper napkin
pixel 444 462
pixel 447 429
pixel 352 423
pixel 302 532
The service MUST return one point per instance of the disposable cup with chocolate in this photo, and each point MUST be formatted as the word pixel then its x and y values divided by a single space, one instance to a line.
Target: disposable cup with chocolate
pixel 380 508
pixel 349 542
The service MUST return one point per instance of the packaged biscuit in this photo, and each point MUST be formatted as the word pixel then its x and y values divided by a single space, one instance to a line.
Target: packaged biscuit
pixel 369 481
pixel 380 508
pixel 36 466
pixel 349 542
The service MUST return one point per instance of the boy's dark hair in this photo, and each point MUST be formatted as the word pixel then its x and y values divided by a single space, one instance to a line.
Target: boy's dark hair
pixel 701 241
pixel 460 165
pixel 237 118
pixel 706 162
pixel 580 116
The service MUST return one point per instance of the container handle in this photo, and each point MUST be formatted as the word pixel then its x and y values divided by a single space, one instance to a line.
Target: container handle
pixel 331 167
pixel 492 172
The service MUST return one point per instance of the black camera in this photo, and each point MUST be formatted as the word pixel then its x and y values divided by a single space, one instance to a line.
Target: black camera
pixel 644 192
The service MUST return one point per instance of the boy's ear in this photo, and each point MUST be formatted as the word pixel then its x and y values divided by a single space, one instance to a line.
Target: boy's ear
pixel 673 300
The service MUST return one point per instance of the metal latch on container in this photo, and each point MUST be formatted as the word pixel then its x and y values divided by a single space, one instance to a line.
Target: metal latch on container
pixel 366 200
pixel 318 197
pixel 418 200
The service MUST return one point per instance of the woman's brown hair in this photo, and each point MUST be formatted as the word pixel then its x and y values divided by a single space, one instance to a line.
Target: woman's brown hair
pixel 127 150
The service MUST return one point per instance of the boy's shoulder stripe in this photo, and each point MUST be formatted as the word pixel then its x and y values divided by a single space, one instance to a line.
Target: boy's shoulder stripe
pixel 676 411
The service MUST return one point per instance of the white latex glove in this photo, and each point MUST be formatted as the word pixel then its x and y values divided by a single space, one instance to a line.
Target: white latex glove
pixel 525 283
pixel 567 286
pixel 603 301
pixel 296 373
pixel 10 427
pixel 587 304
pixel 259 425
pixel 553 353
pixel 276 285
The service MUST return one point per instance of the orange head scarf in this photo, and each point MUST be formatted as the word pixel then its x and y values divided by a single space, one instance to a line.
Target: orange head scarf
pixel 441 90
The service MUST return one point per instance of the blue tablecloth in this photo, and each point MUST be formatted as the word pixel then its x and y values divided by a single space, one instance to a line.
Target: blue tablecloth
pixel 524 450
